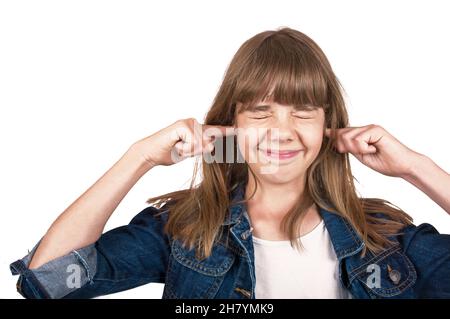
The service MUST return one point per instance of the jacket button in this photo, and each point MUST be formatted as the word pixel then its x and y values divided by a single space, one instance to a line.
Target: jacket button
pixel 394 275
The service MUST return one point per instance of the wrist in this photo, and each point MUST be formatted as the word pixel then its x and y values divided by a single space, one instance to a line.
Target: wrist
pixel 417 168
pixel 135 154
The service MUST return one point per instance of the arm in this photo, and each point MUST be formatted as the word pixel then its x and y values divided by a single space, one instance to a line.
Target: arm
pixel 376 148
pixel 122 258
pixel 75 260
pixel 83 221
pixel 430 179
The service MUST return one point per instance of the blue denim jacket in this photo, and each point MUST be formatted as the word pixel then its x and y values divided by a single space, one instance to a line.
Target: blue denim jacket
pixel 417 266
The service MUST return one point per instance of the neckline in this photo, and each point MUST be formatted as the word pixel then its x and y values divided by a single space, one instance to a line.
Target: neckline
pixel 266 242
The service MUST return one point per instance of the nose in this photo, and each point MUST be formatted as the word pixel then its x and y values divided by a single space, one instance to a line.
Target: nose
pixel 282 131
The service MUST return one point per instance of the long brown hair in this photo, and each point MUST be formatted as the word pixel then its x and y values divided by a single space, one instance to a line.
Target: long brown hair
pixel 293 65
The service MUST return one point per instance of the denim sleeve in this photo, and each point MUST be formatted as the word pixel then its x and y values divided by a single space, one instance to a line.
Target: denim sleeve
pixel 430 253
pixel 121 259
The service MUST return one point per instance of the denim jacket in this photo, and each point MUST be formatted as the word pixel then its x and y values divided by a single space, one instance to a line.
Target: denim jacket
pixel 417 266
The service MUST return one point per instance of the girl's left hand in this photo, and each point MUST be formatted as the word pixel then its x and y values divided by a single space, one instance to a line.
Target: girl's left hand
pixel 373 146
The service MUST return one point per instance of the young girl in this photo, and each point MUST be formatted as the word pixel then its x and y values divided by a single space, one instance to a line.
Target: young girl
pixel 276 214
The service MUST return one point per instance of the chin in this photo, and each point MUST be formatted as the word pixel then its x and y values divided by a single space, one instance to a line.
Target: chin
pixel 280 175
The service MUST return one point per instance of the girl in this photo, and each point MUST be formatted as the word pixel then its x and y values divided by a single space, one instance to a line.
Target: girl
pixel 276 213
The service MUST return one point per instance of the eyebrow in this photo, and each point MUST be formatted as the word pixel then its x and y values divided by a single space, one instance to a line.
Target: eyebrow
pixel 266 107
pixel 258 108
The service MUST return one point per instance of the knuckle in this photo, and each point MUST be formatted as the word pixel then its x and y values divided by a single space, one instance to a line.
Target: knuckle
pixel 178 146
pixel 185 126
pixel 346 141
pixel 191 121
pixel 185 121
pixel 345 135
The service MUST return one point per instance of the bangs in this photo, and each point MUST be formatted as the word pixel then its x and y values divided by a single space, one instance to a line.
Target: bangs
pixel 285 70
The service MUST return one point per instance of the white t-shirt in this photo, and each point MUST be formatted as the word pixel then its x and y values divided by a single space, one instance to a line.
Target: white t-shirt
pixel 284 272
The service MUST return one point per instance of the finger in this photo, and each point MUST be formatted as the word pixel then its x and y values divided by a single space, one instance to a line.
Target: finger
pixel 349 141
pixel 368 139
pixel 329 132
pixel 193 139
pixel 360 141
pixel 218 130
pixel 203 144
pixel 177 153
pixel 343 138
pixel 335 136
pixel 208 148
pixel 360 147
pixel 204 147
pixel 184 134
pixel 369 149
pixel 184 149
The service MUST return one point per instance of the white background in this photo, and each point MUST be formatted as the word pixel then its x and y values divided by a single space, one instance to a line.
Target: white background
pixel 80 81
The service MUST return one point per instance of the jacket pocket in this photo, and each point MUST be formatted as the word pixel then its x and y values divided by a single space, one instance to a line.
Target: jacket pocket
pixel 189 277
pixel 389 274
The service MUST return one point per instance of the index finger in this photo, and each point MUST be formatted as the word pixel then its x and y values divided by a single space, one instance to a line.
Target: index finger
pixel 329 132
pixel 218 130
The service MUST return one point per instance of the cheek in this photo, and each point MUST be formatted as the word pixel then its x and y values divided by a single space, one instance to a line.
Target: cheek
pixel 313 145
pixel 250 132
pixel 312 139
pixel 247 141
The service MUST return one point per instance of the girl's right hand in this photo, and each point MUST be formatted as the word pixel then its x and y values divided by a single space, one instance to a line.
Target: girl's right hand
pixel 184 138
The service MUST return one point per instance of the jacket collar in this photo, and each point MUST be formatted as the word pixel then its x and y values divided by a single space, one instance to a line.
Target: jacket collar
pixel 346 243
pixel 345 240
pixel 236 209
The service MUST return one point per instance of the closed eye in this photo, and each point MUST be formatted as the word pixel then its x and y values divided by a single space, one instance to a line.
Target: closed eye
pixel 307 115
pixel 260 115
pixel 259 118
pixel 303 117
pixel 297 116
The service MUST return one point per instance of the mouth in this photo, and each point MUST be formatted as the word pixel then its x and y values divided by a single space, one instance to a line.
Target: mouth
pixel 280 154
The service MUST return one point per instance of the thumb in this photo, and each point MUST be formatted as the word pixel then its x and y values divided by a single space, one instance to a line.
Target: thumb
pixel 365 148
pixel 370 148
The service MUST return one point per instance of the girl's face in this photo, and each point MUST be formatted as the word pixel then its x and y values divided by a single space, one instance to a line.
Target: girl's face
pixel 279 142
